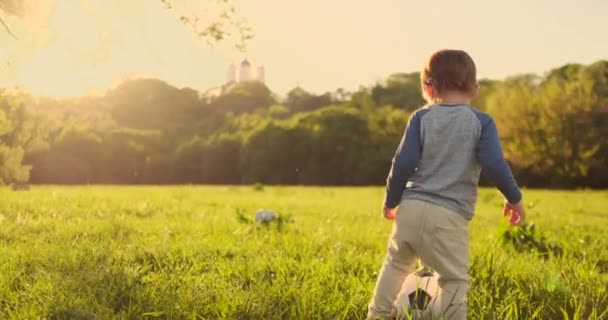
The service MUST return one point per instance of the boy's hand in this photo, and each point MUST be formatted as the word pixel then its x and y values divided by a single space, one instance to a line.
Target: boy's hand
pixel 390 213
pixel 516 212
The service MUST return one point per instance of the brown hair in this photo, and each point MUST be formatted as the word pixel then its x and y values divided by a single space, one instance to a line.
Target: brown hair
pixel 450 70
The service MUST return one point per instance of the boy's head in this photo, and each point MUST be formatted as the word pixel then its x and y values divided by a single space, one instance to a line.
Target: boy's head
pixel 449 72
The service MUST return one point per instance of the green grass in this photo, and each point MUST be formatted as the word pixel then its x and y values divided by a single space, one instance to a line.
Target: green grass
pixel 188 253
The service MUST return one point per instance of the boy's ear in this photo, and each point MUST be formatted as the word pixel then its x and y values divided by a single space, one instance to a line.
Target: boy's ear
pixel 428 90
pixel 475 91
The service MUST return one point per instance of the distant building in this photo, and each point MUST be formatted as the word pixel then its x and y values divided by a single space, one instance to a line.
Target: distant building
pixel 231 74
pixel 245 73
pixel 260 74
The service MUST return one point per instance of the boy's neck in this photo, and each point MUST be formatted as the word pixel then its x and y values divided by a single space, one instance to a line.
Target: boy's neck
pixel 453 97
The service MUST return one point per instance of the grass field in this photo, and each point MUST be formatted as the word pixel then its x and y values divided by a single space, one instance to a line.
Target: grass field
pixel 191 253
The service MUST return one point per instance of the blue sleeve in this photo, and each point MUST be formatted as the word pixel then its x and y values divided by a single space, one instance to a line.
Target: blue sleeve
pixel 493 163
pixel 405 161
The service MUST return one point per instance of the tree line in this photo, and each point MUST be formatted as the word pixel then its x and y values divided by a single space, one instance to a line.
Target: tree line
pixel 145 131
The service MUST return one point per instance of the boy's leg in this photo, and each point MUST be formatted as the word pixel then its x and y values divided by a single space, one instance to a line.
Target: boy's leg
pixel 398 263
pixel 445 248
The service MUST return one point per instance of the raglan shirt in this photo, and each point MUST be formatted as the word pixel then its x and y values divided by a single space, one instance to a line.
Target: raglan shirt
pixel 440 157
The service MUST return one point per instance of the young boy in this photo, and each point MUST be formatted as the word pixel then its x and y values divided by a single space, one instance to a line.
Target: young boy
pixel 433 182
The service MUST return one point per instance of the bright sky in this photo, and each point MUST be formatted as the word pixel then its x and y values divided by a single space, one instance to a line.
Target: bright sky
pixel 79 47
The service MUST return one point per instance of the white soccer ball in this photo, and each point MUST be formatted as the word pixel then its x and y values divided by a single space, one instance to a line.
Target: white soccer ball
pixel 265 216
pixel 418 293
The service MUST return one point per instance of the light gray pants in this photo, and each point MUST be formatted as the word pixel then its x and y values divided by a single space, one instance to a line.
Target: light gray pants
pixel 440 238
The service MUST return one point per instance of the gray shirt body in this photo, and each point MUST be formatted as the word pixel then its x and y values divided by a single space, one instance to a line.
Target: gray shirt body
pixel 440 158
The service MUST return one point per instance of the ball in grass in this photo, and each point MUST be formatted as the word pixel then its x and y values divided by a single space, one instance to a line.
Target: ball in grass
pixel 265 216
pixel 418 293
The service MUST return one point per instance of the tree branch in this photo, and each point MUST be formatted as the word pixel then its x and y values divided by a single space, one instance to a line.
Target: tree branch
pixel 8 30
pixel 224 25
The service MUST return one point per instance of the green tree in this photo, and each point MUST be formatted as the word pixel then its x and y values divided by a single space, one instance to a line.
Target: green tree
pixel 362 100
pixel 151 104
pixel 214 160
pixel 550 125
pixel 123 154
pixel 400 90
pixel 12 168
pixel 300 100
pixel 73 158
pixel 386 126
pixel 598 170
pixel 245 97
pixel 486 89
pixel 157 168
pixel 339 140
pixel 276 154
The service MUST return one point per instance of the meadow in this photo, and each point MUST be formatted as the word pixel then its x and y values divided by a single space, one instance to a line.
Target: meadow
pixel 194 252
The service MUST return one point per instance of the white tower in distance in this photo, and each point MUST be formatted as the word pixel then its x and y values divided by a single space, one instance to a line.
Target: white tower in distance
pixel 260 75
pixel 245 72
pixel 231 74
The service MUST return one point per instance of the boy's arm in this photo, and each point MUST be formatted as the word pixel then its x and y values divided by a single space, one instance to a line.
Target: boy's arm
pixel 405 161
pixel 493 163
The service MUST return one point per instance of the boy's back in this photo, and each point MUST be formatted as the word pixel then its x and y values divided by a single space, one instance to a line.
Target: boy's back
pixel 448 169
pixel 454 139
